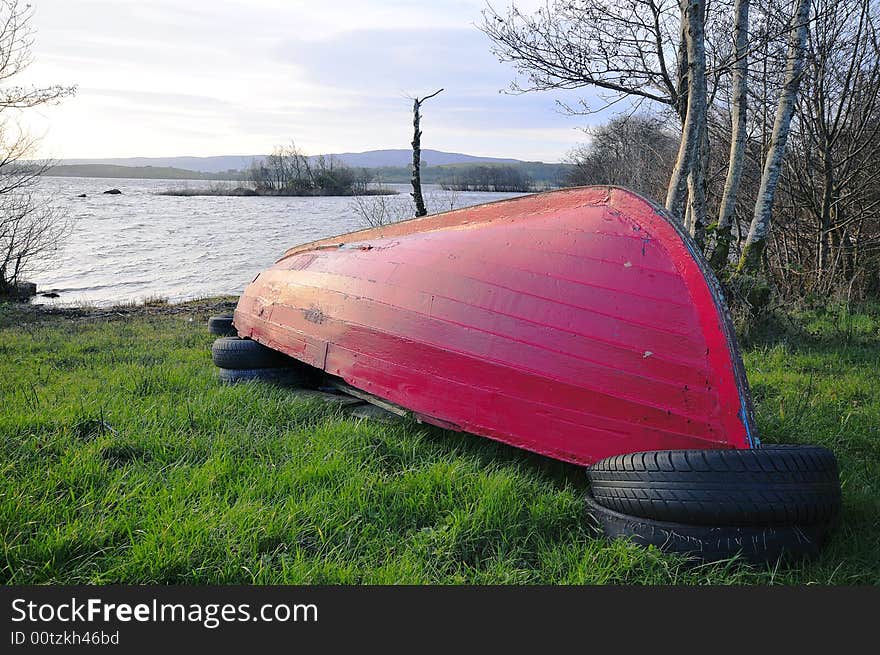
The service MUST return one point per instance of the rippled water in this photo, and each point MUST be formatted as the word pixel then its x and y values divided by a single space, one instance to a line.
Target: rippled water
pixel 138 245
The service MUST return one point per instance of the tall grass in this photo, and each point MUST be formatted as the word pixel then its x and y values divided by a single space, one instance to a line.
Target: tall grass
pixel 122 459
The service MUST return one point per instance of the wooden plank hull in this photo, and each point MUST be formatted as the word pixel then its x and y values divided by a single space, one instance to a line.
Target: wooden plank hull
pixel 578 324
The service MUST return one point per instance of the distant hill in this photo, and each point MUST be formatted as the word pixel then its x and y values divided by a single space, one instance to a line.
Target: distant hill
pixel 137 172
pixel 227 163
pixel 387 166
pixel 403 157
pixel 542 175
pixel 219 164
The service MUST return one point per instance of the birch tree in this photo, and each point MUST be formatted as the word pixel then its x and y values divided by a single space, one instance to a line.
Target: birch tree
pixel 695 118
pixel 750 259
pixel 675 55
pixel 739 134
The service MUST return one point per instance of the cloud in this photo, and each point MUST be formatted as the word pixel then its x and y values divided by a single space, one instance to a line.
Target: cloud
pixel 387 61
pixel 225 77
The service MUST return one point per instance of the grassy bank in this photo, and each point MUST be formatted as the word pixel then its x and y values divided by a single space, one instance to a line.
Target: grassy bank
pixel 123 460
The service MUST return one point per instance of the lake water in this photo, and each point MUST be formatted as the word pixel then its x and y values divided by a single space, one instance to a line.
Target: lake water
pixel 138 244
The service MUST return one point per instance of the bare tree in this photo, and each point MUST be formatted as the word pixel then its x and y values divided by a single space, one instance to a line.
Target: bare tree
pixel 750 259
pixel 486 178
pixel 289 171
pixel 677 54
pixel 418 199
pixel 16 43
pixel 633 51
pixel 791 123
pixel 839 124
pixel 830 215
pixel 376 211
pixel 627 49
pixel 30 230
pixel 635 152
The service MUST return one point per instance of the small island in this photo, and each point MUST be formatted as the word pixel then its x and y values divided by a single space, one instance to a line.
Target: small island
pixel 289 172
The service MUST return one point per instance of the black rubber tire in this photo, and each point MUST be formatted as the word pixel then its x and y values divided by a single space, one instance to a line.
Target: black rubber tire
pixel 232 352
pixel 288 377
pixel 755 544
pixel 222 326
pixel 764 486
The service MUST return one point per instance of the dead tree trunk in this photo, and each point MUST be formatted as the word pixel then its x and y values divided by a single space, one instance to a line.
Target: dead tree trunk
pixel 750 260
pixel 419 200
pixel 693 12
pixel 739 106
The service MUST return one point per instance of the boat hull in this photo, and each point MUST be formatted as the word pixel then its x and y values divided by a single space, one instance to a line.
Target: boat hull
pixel 578 324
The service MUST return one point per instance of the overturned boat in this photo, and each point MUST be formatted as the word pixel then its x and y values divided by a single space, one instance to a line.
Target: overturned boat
pixel 582 324
pixel 579 324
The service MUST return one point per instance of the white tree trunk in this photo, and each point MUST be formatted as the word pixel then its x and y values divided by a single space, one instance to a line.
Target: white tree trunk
pixel 750 259
pixel 736 159
pixel 697 189
pixel 688 153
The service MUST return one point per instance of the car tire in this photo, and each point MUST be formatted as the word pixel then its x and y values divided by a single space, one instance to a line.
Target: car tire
pixel 762 486
pixel 235 353
pixel 288 377
pixel 754 544
pixel 222 326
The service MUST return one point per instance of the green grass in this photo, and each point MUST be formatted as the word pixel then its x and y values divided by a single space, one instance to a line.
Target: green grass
pixel 124 460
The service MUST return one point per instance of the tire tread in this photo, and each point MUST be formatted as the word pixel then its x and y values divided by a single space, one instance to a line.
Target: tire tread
pixel 772 486
pixel 236 353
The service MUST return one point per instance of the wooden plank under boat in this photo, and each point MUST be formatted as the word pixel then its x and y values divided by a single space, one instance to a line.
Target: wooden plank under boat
pixel 579 324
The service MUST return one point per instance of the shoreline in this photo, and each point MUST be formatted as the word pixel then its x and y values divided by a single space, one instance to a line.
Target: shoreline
pixel 246 192
pixel 142 309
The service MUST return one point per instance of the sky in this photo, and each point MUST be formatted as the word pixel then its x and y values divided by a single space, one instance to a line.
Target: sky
pixel 218 77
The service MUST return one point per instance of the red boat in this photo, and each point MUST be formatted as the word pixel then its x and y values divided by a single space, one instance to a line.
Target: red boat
pixel 578 324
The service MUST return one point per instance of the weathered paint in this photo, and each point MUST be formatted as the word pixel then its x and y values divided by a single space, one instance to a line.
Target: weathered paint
pixel 578 324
